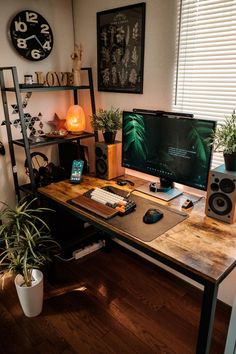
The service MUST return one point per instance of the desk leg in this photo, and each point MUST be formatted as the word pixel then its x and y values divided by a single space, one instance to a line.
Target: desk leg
pixel 207 318
pixel 230 346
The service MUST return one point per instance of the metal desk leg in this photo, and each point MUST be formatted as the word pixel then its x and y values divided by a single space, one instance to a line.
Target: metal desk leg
pixel 207 318
pixel 230 346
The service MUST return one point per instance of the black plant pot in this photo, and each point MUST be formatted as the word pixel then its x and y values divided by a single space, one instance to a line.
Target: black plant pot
pixel 230 161
pixel 109 137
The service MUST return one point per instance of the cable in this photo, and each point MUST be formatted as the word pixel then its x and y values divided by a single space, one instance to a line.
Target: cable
pixel 198 200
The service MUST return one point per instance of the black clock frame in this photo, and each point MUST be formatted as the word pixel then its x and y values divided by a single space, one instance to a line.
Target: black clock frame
pixel 31 35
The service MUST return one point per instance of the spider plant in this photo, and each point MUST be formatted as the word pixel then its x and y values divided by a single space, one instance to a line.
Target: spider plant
pixel 25 240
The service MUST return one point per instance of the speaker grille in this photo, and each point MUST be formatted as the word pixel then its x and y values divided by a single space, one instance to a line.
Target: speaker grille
pixel 220 204
pixel 227 185
pixel 98 152
pixel 101 167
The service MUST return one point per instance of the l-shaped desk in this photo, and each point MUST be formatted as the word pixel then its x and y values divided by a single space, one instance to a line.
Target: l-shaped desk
pixel 199 247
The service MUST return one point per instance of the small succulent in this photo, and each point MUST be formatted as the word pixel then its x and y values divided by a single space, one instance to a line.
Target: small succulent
pixel 107 120
pixel 225 135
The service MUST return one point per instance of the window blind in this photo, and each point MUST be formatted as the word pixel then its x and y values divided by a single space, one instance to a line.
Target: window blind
pixel 206 60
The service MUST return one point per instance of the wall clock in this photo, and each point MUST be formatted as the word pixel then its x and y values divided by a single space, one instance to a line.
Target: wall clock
pixel 31 35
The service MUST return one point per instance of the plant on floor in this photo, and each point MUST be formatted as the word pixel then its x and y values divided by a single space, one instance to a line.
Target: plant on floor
pixel 25 240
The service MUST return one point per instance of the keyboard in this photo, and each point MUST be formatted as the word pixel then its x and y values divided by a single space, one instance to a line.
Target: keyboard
pixel 121 204
pixel 104 203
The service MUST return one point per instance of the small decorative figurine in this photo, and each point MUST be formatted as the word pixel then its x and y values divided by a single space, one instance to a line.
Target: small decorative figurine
pixel 76 56
pixel 57 123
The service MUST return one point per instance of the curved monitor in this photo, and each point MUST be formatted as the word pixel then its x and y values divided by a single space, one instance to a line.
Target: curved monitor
pixel 173 147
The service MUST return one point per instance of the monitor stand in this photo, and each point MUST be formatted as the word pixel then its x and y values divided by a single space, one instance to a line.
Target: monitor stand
pixel 166 192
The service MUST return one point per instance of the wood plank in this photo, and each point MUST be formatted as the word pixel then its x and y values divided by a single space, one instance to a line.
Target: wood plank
pixel 109 303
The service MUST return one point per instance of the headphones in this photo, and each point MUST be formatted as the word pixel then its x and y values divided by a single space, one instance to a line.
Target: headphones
pixel 44 172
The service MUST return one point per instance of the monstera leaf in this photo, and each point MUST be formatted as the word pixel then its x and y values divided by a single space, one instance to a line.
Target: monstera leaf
pixel 134 131
pixel 196 135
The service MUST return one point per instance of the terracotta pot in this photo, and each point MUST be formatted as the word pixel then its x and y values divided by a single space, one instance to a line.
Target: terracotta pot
pixel 109 137
pixel 230 161
pixel 31 298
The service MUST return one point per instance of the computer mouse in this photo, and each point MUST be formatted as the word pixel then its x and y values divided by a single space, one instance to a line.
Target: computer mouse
pixel 152 215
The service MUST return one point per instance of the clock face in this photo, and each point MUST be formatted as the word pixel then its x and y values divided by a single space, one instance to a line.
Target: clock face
pixel 31 35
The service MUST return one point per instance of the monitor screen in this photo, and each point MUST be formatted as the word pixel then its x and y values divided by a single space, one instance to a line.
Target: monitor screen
pixel 172 147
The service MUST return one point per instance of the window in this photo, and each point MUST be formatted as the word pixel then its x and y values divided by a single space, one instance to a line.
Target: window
pixel 206 60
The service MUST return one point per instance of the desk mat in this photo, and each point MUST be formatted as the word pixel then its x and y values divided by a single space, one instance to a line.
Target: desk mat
pixel 134 225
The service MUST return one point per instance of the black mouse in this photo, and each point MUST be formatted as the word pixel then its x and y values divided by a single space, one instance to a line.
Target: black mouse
pixel 152 215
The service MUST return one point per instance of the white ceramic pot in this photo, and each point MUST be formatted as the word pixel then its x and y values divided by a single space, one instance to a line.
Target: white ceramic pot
pixel 30 297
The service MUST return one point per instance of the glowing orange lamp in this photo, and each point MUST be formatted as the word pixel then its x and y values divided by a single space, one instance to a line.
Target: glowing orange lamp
pixel 75 119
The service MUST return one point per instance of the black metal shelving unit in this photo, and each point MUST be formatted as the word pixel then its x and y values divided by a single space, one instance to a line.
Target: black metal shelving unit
pixel 25 142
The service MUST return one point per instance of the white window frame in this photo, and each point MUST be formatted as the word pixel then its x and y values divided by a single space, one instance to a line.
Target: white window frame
pixel 205 80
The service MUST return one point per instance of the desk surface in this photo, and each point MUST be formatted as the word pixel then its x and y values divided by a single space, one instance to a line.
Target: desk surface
pixel 202 245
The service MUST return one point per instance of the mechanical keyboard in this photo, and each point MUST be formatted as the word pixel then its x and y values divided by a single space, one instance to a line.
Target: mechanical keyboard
pixel 104 203
pixel 121 204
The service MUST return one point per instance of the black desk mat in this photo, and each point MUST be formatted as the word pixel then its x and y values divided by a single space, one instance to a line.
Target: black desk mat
pixel 134 225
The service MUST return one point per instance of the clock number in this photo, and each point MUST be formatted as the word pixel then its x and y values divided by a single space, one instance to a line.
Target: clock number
pixel 31 17
pixel 21 43
pixel 35 53
pixel 45 28
pixel 20 26
pixel 47 45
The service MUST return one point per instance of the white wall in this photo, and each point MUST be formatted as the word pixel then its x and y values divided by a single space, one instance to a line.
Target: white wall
pixel 159 52
pixel 58 13
pixel 160 41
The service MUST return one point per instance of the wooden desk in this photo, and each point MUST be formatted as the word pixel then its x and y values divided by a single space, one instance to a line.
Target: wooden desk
pixel 201 248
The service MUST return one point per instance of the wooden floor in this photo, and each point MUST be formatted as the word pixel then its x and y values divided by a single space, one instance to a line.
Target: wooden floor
pixel 109 303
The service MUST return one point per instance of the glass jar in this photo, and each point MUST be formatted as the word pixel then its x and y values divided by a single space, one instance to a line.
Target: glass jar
pixel 28 79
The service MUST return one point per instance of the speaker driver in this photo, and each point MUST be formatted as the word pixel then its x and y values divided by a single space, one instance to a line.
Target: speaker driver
pixel 101 167
pixel 227 185
pixel 220 204
pixel 98 152
pixel 214 187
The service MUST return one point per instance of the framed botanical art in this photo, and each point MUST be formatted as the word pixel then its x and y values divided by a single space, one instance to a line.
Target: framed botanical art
pixel 120 49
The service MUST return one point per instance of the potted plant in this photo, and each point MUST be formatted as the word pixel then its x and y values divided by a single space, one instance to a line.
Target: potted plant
pixel 26 246
pixel 224 140
pixel 108 121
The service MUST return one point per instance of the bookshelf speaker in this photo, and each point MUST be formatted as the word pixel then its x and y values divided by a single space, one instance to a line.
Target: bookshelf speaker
pixel 108 160
pixel 221 195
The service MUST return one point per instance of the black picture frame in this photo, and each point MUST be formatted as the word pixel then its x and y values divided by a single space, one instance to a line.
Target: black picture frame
pixel 120 49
